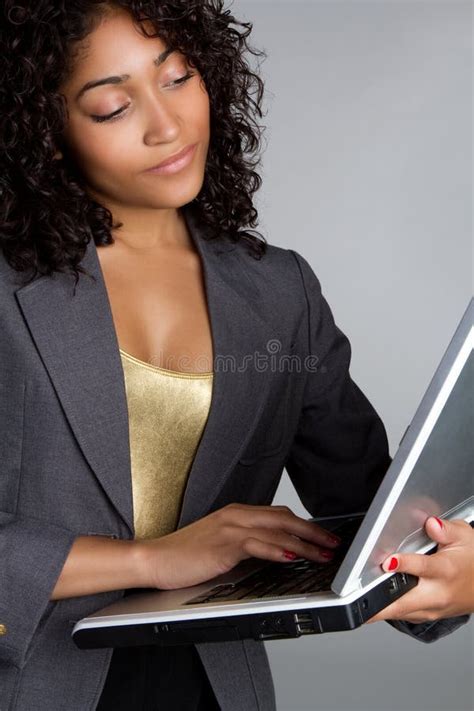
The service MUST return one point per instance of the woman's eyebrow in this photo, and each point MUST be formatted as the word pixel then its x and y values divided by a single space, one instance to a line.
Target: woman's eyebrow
pixel 122 77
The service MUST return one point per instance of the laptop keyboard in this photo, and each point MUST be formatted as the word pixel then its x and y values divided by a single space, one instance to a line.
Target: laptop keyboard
pixel 279 579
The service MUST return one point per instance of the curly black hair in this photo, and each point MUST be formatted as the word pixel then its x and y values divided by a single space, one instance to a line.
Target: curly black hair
pixel 46 216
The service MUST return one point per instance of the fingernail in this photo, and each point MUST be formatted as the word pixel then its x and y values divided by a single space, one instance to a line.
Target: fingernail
pixel 334 540
pixel 393 564
pixel 439 521
pixel 289 554
pixel 327 554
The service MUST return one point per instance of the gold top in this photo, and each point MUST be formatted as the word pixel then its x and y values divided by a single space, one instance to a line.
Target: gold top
pixel 167 413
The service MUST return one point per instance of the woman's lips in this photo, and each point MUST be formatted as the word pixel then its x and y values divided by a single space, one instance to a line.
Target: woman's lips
pixel 176 165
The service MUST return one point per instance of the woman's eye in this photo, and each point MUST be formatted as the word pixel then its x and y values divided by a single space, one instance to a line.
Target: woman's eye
pixel 117 114
pixel 182 79
pixel 109 117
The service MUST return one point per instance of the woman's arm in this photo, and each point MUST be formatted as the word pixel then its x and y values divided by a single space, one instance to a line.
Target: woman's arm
pixel 41 562
pixel 32 553
pixel 339 454
pixel 98 564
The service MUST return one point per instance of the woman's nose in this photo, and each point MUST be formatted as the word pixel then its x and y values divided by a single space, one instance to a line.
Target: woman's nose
pixel 161 121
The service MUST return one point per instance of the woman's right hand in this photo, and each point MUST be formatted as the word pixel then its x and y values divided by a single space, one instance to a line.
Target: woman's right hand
pixel 216 543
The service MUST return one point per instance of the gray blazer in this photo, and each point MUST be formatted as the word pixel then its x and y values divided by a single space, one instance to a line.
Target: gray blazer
pixel 65 459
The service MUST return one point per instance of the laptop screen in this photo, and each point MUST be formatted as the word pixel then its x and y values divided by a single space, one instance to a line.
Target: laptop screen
pixel 431 473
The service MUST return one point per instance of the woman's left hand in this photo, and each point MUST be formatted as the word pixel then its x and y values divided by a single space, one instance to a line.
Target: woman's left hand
pixel 446 578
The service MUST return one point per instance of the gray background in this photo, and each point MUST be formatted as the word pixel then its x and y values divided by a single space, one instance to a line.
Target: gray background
pixel 367 173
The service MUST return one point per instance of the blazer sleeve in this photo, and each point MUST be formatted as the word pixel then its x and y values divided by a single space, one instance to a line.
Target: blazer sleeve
pixel 340 452
pixel 32 555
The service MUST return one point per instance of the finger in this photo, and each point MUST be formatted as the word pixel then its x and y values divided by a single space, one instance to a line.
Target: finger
pixel 282 517
pixel 376 618
pixel 438 530
pixel 307 530
pixel 267 550
pixel 416 617
pixel 446 532
pixel 285 541
pixel 413 563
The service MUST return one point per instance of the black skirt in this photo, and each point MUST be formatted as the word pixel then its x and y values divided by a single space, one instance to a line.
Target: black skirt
pixel 152 678
pixel 155 678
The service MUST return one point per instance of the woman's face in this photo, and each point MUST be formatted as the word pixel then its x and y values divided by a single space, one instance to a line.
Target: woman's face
pixel 156 115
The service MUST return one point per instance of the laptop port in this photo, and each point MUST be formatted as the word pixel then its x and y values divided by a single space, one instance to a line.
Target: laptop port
pixel 393 584
pixel 272 628
pixel 304 623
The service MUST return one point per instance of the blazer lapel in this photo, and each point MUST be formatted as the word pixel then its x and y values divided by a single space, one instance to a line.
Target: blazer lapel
pixel 76 339
pixel 239 331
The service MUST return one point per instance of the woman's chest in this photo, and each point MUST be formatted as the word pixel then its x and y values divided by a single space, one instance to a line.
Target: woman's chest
pixel 159 309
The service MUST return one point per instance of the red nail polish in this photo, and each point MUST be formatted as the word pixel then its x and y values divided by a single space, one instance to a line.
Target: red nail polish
pixel 393 564
pixel 289 554
pixel 439 521
pixel 327 554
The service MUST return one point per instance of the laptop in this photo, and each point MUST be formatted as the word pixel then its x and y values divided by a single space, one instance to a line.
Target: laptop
pixel 431 474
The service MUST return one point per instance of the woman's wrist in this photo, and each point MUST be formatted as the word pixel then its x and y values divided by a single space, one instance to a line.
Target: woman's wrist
pixel 140 561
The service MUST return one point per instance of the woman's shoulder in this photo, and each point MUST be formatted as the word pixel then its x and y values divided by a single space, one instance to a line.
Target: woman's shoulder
pixel 284 267
pixel 276 260
pixel 282 281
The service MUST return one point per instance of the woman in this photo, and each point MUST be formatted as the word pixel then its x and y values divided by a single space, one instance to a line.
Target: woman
pixel 119 474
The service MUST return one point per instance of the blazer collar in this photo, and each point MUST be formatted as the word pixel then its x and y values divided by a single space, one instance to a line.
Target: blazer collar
pixel 76 339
